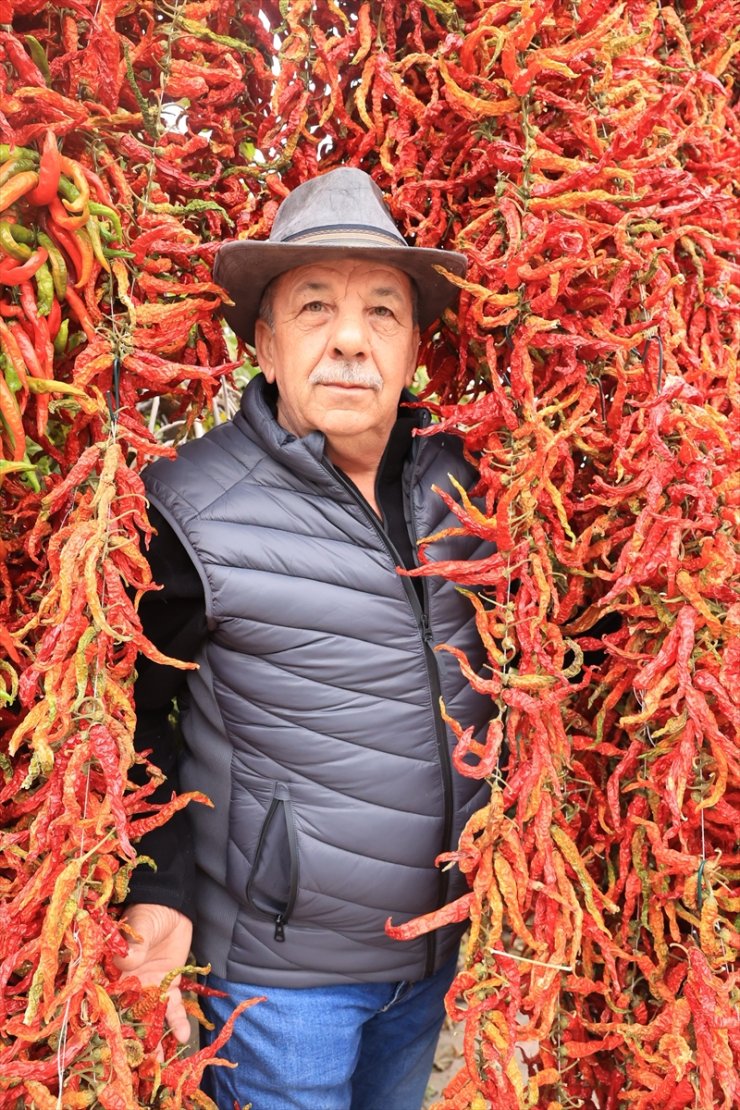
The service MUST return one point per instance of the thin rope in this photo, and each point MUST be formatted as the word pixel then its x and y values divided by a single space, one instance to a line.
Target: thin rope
pixel 527 960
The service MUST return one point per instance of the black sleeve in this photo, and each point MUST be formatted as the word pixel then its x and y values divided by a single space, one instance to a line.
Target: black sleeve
pixel 173 618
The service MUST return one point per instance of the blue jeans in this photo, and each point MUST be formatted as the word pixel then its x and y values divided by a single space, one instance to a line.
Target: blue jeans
pixel 363 1046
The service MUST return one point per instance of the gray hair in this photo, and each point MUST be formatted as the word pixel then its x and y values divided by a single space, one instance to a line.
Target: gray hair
pixel 266 310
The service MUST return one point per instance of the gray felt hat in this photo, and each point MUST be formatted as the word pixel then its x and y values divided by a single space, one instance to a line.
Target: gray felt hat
pixel 341 212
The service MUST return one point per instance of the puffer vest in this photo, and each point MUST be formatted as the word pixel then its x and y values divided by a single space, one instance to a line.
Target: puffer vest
pixel 313 722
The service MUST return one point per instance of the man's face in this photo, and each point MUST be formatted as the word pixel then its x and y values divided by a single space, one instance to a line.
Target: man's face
pixel 342 348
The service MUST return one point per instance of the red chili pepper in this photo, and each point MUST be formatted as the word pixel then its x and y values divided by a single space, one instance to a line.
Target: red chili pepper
pixel 54 319
pixel 34 365
pixel 97 184
pixel 11 418
pixel 12 273
pixel 68 242
pixel 41 338
pixel 447 915
pixel 26 69
pixel 49 172
pixel 13 351
pixel 80 313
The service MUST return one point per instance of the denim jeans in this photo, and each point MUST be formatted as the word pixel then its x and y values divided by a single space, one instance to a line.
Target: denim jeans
pixel 360 1046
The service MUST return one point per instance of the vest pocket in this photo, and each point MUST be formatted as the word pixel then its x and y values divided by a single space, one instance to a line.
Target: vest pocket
pixel 273 883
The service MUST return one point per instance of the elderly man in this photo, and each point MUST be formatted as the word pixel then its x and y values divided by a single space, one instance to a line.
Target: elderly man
pixel 313 722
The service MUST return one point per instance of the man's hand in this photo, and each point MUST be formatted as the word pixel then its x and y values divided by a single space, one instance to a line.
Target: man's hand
pixel 159 942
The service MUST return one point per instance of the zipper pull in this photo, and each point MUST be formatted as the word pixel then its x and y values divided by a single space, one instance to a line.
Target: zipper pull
pixel 279 927
pixel 426 630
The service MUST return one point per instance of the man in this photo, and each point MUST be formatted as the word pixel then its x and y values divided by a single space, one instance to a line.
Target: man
pixel 313 722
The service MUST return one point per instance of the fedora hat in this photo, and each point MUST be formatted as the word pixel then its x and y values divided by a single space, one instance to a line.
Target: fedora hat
pixel 341 212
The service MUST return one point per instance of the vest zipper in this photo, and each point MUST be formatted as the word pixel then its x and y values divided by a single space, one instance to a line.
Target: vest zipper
pixel 445 760
pixel 422 619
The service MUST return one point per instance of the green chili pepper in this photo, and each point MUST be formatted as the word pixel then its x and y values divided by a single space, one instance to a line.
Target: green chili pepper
pixel 24 152
pixel 67 188
pixel 9 242
pixel 6 367
pixel 60 339
pixel 75 341
pixel 23 234
pixel 26 470
pixel 93 230
pixel 44 289
pixel 109 214
pixel 115 252
pixel 37 52
pixel 57 264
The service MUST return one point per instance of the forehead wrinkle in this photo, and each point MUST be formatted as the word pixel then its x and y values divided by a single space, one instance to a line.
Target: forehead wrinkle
pixel 325 273
pixel 312 285
pixel 386 291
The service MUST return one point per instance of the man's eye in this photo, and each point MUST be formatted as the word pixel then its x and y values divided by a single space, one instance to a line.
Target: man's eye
pixel 382 310
pixel 314 306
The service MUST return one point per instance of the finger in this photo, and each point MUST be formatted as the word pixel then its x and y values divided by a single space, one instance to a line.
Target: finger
pixel 137 932
pixel 130 962
pixel 177 1018
pixel 137 954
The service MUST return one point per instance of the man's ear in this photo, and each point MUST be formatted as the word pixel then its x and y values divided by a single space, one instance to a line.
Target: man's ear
pixel 263 344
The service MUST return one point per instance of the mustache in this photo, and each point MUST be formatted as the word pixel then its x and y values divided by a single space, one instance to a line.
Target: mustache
pixel 346 373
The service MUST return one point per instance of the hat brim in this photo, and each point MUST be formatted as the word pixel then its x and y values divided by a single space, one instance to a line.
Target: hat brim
pixel 246 267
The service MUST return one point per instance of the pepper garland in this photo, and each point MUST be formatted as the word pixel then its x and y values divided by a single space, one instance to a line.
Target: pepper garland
pixel 583 155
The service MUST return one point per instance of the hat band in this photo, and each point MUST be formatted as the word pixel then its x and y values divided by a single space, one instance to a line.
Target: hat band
pixel 358 233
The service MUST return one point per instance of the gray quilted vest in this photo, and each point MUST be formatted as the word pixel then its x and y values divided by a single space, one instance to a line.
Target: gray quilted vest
pixel 313 722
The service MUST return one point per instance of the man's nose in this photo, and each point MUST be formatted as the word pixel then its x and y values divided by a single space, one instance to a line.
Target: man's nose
pixel 350 336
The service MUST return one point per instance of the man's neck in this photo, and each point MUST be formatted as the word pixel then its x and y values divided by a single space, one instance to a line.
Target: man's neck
pixel 357 456
pixel 360 461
